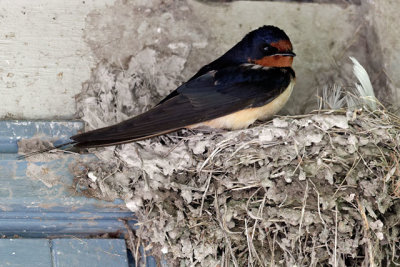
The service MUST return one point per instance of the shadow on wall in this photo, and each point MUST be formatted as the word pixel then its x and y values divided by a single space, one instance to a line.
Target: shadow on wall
pixel 180 38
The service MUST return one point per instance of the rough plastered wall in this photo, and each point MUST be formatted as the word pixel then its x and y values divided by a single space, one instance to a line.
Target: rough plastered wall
pixel 44 58
pixel 383 20
pixel 49 47
pixel 324 35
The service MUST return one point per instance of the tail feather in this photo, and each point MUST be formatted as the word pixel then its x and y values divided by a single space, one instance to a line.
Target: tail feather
pixel 64 146
pixel 87 140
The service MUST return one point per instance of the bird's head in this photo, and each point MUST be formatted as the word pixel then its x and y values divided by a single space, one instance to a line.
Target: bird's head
pixel 267 46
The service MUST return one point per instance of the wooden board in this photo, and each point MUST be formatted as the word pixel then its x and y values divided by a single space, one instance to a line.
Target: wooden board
pixel 63 252
pixel 36 208
pixel 47 209
pixel 27 252
pixel 89 252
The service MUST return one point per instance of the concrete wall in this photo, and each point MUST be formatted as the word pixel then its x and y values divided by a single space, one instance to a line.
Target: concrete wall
pixel 384 31
pixel 49 47
pixel 320 33
pixel 44 58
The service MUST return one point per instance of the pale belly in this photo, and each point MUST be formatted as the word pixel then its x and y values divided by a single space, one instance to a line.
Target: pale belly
pixel 242 119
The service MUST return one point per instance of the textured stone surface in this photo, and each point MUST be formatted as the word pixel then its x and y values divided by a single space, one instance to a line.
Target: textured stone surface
pixel 383 18
pixel 43 59
pixel 322 35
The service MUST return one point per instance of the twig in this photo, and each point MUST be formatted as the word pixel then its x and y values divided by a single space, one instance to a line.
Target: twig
pixel 173 148
pixel 303 209
pixel 336 233
pixel 250 260
pixel 205 193
pixel 221 225
pixel 318 203
pixel 366 230
pixel 219 147
pixel 355 164
pixel 131 240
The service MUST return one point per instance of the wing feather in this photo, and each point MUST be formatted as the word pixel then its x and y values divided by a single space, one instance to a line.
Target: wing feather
pixel 214 94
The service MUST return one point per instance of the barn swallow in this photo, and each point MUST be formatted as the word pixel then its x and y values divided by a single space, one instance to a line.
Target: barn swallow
pixel 252 80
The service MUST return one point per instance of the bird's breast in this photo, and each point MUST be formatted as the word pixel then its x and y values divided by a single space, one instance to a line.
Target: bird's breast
pixel 243 118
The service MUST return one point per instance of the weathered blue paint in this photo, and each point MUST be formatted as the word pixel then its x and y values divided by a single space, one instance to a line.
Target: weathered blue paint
pixel 25 252
pixel 89 252
pixel 30 208
pixel 13 131
pixel 20 191
pixel 63 252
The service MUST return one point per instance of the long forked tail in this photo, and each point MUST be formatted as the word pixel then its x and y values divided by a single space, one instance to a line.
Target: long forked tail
pixel 63 146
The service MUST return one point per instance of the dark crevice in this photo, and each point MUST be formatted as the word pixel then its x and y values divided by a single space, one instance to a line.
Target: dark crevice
pixel 339 2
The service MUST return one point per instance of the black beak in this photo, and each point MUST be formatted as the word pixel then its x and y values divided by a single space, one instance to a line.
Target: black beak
pixel 287 54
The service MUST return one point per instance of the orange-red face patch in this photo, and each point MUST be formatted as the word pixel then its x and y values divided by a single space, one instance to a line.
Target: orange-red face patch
pixel 283 45
pixel 275 61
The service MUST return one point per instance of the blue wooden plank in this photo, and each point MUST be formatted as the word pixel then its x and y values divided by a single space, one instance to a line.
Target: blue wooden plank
pixel 25 252
pixel 19 190
pixel 89 252
pixel 37 228
pixel 31 207
pixel 13 131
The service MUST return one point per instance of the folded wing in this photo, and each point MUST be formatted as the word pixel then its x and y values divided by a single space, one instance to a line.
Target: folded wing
pixel 212 95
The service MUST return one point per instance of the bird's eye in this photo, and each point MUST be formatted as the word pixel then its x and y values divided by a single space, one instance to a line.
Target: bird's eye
pixel 269 50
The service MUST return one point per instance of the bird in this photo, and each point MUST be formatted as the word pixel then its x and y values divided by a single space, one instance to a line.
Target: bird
pixel 252 81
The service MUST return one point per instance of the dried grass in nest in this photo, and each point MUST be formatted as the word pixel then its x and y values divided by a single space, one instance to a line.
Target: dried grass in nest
pixel 316 189
pixel 308 190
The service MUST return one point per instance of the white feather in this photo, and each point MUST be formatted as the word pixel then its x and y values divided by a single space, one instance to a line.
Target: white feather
pixel 332 97
pixel 365 89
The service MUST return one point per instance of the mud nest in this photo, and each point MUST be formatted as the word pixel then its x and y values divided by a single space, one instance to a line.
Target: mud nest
pixel 315 189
